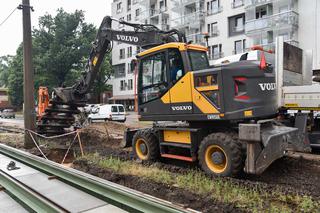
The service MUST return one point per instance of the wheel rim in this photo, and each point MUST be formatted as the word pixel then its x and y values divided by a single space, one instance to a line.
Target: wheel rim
pixel 216 159
pixel 141 149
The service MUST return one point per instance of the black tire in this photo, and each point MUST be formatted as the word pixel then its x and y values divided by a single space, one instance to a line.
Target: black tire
pixel 229 152
pixel 151 142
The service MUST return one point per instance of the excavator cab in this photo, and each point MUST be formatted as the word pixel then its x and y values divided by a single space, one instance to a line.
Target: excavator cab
pixel 176 82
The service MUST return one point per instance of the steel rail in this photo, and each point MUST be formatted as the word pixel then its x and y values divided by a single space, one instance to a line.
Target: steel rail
pixel 27 196
pixel 115 194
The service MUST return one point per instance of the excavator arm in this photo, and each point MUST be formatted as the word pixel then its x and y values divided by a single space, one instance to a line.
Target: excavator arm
pixel 145 36
pixel 65 101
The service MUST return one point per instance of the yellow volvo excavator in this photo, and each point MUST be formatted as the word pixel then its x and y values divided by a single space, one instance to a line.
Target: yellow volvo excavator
pixel 221 116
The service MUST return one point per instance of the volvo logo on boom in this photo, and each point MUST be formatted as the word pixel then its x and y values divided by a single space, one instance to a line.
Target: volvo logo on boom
pixel 267 86
pixel 181 108
pixel 128 38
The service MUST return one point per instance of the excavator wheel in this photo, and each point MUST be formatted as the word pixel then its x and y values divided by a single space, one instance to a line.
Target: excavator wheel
pixel 145 145
pixel 221 155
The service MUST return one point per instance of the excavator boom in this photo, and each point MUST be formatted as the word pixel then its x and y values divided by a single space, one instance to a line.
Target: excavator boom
pixel 66 100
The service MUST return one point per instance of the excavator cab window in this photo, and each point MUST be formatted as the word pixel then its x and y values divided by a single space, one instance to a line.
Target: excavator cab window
pixel 154 77
pixel 175 65
pixel 198 59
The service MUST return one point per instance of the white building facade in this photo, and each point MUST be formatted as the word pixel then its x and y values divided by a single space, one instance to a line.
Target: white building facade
pixel 230 26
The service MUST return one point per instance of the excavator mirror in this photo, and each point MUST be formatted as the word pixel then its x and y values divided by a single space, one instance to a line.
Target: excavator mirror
pixel 133 64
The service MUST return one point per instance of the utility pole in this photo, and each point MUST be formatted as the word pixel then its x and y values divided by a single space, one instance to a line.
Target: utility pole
pixel 28 89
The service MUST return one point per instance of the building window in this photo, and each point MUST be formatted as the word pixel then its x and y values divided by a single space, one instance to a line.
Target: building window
pixel 261 12
pixel 119 70
pixel 121 25
pixel 129 5
pixel 122 53
pixel 215 52
pixel 119 7
pixel 163 5
pixel 129 53
pixel 239 46
pixel 236 24
pixel 239 24
pixel 237 3
pixel 138 50
pixel 129 17
pixel 213 29
pixel 122 85
pixel 137 12
pixel 130 84
pixel 213 7
pixel 129 69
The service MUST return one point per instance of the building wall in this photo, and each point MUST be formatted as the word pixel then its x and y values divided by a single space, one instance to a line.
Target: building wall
pixel 221 18
pixel 309 29
pixel 307 33
pixel 116 82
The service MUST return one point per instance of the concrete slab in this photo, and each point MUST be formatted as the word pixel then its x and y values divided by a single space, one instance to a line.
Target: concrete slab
pixel 7 204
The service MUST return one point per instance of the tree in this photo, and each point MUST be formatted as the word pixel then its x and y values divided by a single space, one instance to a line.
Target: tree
pixel 4 70
pixel 15 78
pixel 61 46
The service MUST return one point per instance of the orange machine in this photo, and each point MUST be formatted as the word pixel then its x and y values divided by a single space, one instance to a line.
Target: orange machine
pixel 43 101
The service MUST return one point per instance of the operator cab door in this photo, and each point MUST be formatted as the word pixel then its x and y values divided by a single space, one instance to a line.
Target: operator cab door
pixel 153 84
pixel 180 84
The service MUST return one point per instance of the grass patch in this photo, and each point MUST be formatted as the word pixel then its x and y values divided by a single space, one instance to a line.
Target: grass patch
pixel 221 189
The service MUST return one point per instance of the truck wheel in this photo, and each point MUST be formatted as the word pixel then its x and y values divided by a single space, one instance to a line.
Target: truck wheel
pixel 220 155
pixel 145 145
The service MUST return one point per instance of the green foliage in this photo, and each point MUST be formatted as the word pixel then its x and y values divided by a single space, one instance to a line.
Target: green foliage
pixel 4 70
pixel 15 78
pixel 61 46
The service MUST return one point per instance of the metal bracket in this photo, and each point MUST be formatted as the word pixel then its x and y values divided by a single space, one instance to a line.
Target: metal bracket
pixel 12 166
pixel 22 6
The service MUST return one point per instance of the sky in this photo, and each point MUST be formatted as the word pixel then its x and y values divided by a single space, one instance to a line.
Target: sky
pixel 11 30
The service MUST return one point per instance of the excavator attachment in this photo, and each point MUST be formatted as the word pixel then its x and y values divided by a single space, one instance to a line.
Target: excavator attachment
pixel 267 141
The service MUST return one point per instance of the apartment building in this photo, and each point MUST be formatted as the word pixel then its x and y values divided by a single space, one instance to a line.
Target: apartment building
pixel 227 26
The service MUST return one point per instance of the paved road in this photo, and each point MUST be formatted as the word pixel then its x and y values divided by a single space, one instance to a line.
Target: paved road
pixel 18 121
pixel 132 120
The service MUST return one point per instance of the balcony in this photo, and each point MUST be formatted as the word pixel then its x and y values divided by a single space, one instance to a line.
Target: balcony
pixel 197 38
pixel 192 20
pixel 165 27
pixel 152 14
pixel 216 56
pixel 179 3
pixel 237 3
pixel 289 19
pixel 256 3
pixel 214 33
pixel 214 11
pixel 239 51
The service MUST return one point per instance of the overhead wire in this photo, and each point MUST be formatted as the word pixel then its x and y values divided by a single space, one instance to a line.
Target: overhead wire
pixel 8 16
